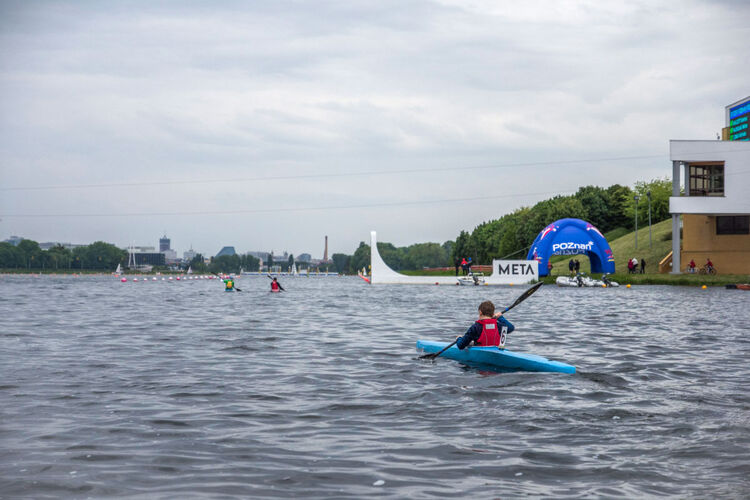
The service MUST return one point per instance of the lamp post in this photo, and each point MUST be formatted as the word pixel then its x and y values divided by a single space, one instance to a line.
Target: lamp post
pixel 636 198
pixel 648 195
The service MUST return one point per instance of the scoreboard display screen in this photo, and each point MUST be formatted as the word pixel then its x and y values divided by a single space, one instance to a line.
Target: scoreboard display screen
pixel 739 116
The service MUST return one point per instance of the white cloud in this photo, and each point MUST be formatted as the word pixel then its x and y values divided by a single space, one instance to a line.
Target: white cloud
pixel 98 92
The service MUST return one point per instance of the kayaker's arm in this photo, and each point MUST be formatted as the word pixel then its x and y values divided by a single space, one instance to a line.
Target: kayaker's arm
pixel 471 335
pixel 501 321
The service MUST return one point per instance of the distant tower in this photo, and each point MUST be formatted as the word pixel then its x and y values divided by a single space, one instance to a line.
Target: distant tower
pixel 325 252
pixel 164 243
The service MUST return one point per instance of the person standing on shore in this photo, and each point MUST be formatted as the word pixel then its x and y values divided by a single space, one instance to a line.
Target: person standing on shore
pixel 643 266
pixel 457 263
pixel 577 266
pixel 571 266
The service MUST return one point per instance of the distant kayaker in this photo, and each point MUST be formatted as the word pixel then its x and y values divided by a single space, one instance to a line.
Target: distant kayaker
pixel 229 284
pixel 488 330
pixel 276 286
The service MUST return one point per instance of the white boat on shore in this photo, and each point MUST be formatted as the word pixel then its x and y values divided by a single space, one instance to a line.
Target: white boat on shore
pixel 581 280
pixel 474 279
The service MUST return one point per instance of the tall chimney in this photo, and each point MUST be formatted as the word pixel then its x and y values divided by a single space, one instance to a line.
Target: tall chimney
pixel 325 252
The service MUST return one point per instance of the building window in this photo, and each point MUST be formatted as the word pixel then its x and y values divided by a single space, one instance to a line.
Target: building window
pixel 734 224
pixel 706 180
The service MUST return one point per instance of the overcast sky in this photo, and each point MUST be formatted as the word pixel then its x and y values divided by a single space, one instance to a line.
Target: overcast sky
pixel 268 125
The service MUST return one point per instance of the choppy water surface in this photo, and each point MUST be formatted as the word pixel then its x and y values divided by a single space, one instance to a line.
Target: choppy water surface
pixel 163 389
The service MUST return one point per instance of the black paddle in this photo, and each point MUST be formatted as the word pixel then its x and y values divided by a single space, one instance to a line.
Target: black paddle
pixel 277 282
pixel 525 295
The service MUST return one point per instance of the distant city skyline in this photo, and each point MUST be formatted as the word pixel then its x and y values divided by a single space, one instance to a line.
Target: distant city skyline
pixel 267 125
pixel 45 245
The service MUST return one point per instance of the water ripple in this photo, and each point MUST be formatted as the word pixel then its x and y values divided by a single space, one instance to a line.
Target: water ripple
pixel 170 390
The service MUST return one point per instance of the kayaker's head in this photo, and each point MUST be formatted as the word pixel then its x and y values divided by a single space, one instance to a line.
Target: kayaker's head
pixel 486 309
pixel 274 279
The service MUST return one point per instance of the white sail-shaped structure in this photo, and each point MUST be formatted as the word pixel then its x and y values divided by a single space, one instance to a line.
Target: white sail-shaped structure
pixel 504 272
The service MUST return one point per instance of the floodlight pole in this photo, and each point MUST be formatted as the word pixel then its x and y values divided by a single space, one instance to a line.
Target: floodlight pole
pixel 648 194
pixel 636 198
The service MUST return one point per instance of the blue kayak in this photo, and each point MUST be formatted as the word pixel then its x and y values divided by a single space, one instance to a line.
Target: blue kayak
pixel 495 357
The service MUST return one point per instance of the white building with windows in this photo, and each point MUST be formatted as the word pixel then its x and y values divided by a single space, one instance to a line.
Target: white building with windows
pixel 714 205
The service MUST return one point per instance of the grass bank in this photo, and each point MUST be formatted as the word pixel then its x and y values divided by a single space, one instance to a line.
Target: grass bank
pixel 624 249
pixel 670 279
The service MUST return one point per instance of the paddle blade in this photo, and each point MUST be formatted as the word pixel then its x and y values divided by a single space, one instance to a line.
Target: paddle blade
pixel 435 355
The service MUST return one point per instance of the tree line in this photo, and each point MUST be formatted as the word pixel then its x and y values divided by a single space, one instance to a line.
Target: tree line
pixel 510 236
pixel 611 210
pixel 101 256
pixel 224 264
pixel 28 255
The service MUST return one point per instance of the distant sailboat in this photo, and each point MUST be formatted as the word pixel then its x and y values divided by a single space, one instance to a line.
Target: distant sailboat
pixel 190 270
pixel 294 269
pixel 118 271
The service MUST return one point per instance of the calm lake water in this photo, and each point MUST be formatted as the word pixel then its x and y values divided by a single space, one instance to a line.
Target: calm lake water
pixel 175 390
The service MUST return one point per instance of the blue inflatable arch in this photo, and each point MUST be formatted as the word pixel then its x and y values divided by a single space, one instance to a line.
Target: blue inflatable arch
pixel 572 237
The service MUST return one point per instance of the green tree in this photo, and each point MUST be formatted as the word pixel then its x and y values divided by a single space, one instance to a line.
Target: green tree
pixel 225 264
pixel 249 262
pixel 31 253
pixel 421 255
pixel 198 263
pixel 360 259
pixel 595 200
pixel 341 262
pixel 619 197
pixel 11 256
pixel 461 247
pixel 59 257
pixel 661 190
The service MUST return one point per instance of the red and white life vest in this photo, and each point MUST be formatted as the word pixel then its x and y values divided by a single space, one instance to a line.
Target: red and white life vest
pixel 274 286
pixel 491 336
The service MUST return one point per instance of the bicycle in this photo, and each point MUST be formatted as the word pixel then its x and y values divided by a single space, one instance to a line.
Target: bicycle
pixel 707 270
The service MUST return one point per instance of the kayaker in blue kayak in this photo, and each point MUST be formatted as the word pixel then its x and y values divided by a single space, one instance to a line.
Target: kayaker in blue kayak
pixel 488 330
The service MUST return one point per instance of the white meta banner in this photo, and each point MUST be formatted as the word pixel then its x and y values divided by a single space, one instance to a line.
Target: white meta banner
pixel 514 271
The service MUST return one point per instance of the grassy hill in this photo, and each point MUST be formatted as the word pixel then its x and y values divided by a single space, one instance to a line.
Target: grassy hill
pixel 624 249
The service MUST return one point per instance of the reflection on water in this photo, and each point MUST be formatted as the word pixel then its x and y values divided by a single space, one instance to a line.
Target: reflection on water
pixel 165 389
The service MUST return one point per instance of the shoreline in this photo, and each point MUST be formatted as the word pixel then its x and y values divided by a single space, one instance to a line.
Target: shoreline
pixel 633 279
